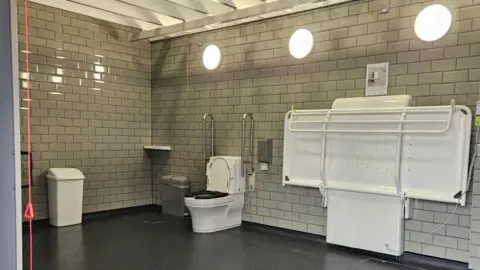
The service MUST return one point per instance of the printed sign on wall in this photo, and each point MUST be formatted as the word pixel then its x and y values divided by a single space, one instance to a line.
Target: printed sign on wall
pixel 377 80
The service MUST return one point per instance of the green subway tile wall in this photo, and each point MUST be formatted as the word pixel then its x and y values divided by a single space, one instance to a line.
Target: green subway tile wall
pixel 258 75
pixel 90 107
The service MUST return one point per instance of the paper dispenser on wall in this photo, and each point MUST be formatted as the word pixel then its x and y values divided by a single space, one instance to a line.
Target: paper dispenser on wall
pixel 265 148
pixel 264 155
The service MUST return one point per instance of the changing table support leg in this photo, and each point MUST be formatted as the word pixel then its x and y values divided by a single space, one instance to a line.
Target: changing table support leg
pixel 408 208
pixel 398 160
pixel 322 189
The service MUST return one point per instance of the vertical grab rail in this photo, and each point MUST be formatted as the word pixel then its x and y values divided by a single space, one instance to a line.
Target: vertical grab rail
pixel 204 143
pixel 252 124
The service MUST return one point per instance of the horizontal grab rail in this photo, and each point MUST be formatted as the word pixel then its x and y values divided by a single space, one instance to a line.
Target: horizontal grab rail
pixel 400 111
pixel 394 131
pixel 369 111
pixel 451 107
pixel 371 121
pixel 374 131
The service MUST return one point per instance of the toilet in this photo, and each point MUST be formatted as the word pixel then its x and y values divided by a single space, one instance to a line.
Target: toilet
pixel 220 206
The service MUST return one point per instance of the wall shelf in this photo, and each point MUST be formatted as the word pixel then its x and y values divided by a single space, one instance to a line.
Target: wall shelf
pixel 158 147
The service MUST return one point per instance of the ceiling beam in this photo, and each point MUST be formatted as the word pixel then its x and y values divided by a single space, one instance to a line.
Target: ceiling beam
pixel 167 8
pixel 239 4
pixel 239 16
pixel 247 3
pixel 129 11
pixel 205 6
pixel 228 3
pixel 97 13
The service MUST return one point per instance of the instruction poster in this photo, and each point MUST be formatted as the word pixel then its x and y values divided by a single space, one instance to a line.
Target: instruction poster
pixel 377 80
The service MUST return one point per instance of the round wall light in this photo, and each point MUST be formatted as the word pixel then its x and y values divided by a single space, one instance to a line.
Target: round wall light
pixel 433 22
pixel 211 57
pixel 301 43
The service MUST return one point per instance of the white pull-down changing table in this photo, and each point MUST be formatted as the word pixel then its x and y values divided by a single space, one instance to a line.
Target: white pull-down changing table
pixel 370 156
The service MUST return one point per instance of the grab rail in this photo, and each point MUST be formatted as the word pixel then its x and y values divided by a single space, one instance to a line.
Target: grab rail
pixel 204 146
pixel 250 161
pixel 401 111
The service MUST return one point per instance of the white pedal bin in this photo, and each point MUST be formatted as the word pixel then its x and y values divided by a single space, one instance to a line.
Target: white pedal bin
pixel 65 196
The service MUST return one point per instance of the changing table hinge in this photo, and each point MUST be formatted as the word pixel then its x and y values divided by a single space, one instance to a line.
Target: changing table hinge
pixel 408 212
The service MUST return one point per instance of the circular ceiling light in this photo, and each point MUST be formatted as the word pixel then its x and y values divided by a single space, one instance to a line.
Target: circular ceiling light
pixel 211 57
pixel 301 43
pixel 433 22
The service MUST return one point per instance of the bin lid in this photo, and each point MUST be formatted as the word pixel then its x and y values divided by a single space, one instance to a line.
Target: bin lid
pixel 60 174
pixel 175 180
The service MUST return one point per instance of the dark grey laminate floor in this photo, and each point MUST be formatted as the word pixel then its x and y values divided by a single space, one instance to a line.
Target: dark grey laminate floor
pixel 150 241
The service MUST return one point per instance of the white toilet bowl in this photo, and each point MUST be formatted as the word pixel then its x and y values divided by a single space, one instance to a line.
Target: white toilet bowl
pixel 220 206
pixel 211 215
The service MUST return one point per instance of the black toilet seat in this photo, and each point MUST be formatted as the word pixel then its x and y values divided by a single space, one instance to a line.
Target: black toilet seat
pixel 206 194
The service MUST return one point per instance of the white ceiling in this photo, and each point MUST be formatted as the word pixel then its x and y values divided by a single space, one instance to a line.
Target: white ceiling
pixel 161 19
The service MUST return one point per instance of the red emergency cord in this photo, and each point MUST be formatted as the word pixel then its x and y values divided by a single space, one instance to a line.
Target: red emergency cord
pixel 29 213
